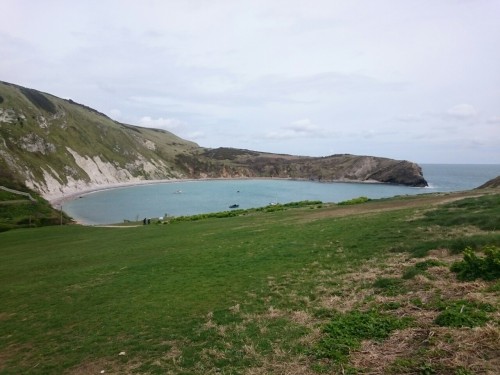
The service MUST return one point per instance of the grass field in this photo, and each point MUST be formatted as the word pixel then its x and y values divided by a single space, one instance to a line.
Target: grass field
pixel 361 288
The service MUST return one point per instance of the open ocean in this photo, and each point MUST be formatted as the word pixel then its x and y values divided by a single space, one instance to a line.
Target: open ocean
pixel 195 197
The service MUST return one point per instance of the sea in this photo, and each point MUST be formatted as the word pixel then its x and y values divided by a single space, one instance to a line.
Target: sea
pixel 181 198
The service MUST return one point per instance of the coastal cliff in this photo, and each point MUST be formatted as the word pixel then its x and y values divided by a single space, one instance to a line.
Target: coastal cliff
pixel 56 147
pixel 491 184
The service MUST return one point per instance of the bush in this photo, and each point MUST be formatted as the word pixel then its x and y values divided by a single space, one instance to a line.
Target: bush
pixel 473 267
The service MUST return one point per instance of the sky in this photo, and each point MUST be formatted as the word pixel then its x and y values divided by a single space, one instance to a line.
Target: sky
pixel 413 80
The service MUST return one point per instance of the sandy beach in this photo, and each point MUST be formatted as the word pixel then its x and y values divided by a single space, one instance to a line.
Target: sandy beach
pixel 61 199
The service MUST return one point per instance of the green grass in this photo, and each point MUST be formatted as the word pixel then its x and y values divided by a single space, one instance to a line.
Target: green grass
pixel 346 331
pixel 228 293
pixel 463 314
pixel 483 212
pixel 358 200
pixel 389 286
pixel 420 268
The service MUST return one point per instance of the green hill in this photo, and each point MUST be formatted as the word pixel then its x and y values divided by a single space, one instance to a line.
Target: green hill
pixel 56 146
pixel 53 144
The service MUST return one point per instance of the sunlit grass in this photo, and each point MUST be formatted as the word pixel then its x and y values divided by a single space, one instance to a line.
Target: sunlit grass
pixel 252 291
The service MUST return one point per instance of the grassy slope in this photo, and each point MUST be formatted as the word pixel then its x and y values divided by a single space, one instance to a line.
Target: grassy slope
pixel 65 124
pixel 37 129
pixel 244 294
pixel 17 211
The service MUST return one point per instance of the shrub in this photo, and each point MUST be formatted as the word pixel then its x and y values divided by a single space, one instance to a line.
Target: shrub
pixel 473 267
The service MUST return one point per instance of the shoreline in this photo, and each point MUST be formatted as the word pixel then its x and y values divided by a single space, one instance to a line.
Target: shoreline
pixel 60 200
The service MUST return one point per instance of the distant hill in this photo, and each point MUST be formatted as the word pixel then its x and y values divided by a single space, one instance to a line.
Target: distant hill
pixel 493 183
pixel 56 146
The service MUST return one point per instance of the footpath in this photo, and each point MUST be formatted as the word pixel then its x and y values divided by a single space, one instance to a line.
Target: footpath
pixel 18 192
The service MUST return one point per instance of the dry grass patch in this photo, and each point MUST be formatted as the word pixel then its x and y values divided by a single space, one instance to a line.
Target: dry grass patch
pixel 346 302
pixel 174 354
pixel 375 357
pixel 425 346
pixel 279 365
pixel 440 350
pixel 302 317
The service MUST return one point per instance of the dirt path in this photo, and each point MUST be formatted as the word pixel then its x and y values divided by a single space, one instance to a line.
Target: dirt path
pixel 414 201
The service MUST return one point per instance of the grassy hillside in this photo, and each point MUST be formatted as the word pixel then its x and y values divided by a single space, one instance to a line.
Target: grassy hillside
pixel 355 288
pixel 38 129
pixel 18 211
pixel 56 146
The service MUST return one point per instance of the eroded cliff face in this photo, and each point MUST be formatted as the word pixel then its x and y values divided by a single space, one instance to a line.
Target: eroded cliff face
pixel 58 147
pixel 98 173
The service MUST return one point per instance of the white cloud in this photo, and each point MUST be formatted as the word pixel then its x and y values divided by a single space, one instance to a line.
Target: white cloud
pixel 282 134
pixel 462 111
pixel 196 135
pixel 173 125
pixel 343 75
pixel 161 123
pixel 302 128
pixel 115 114
pixel 409 118
pixel 494 120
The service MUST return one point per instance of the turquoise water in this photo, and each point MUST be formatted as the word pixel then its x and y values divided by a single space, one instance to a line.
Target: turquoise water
pixel 194 197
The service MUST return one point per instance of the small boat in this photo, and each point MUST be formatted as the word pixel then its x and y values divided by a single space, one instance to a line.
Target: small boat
pixel 234 206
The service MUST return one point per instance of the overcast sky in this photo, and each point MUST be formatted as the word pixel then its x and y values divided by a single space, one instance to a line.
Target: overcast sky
pixel 407 79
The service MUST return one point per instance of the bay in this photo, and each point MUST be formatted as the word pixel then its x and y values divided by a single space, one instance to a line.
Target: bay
pixel 205 196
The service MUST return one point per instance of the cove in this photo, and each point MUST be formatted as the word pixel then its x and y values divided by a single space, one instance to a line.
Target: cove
pixel 195 197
